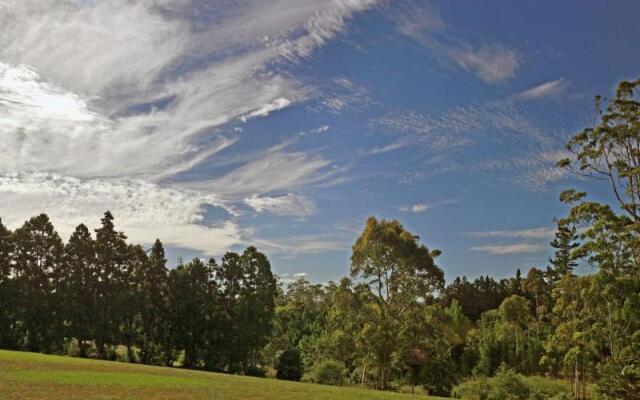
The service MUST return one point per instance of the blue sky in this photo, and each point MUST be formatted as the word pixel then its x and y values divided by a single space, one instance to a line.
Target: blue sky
pixel 284 124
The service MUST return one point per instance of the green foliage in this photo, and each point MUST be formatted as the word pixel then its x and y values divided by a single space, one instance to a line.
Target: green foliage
pixel 290 367
pixel 508 385
pixel 328 372
pixel 399 272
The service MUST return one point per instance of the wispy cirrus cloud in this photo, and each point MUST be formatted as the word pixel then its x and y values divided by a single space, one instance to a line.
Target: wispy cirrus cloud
pixel 532 233
pixel 545 89
pixel 142 209
pixel 100 116
pixel 508 249
pixel 289 204
pixel 491 62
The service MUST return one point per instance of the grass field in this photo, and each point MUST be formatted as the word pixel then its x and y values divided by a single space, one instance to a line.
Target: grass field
pixel 37 376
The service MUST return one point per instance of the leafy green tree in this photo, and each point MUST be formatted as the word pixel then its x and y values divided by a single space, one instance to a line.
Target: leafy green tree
pixel 400 273
pixel 536 288
pixel 610 151
pixel 515 315
pixel 569 343
pixel 328 372
pixel 290 366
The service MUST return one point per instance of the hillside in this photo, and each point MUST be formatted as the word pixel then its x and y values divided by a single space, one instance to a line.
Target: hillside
pixel 38 376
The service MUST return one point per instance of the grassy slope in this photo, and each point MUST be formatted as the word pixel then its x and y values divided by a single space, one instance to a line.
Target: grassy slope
pixel 38 376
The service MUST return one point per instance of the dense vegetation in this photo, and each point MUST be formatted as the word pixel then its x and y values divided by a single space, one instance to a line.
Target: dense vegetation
pixel 393 322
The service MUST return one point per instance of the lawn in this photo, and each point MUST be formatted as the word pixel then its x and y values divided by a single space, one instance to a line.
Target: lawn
pixel 37 376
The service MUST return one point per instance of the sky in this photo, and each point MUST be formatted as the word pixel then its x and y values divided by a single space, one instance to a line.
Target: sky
pixel 284 124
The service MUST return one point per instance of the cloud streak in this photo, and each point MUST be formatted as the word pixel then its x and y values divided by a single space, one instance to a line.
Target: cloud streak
pixel 508 249
pixel 533 233
pixel 104 104
pixel 491 62
pixel 546 89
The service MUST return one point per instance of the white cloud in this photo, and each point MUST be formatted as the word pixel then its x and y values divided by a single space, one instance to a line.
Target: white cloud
pixel 289 204
pixel 544 90
pixel 143 210
pixel 300 274
pixel 491 62
pixel 422 207
pixel 103 103
pixel 274 171
pixel 344 95
pixel 416 208
pixel 301 244
pixel 532 233
pixel 508 249
pixel 263 111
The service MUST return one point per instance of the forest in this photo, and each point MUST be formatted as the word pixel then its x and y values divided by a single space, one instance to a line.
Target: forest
pixel 392 322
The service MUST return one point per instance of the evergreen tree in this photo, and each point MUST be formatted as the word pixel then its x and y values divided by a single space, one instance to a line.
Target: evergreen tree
pixel 77 284
pixel 256 309
pixel 563 261
pixel 38 258
pixel 153 295
pixel 7 293
pixel 111 262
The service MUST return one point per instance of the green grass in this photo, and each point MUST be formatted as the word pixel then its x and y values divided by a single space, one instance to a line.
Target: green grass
pixel 37 376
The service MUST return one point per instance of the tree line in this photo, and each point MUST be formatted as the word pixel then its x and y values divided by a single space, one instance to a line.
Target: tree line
pixel 392 322
pixel 89 296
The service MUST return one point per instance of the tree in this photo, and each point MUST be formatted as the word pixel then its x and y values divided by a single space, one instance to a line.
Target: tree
pixel 400 272
pixel 7 293
pixel 290 366
pixel 111 263
pixel 610 151
pixel 153 293
pixel 536 288
pixel 563 261
pixel 193 314
pixel 37 257
pixel 257 304
pixel 515 314
pixel 77 284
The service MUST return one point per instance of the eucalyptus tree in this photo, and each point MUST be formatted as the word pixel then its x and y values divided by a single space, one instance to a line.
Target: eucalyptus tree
pixel 606 334
pixel 401 273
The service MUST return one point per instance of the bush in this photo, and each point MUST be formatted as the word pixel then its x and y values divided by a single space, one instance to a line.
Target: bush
pixel 255 371
pixel 328 372
pixel 508 385
pixel 290 366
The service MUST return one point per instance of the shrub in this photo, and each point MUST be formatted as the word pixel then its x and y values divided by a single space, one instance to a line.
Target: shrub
pixel 290 366
pixel 255 371
pixel 508 385
pixel 328 372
